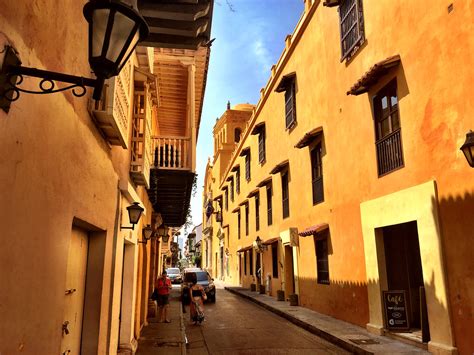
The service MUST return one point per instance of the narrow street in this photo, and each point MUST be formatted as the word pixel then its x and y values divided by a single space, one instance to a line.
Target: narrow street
pixel 236 326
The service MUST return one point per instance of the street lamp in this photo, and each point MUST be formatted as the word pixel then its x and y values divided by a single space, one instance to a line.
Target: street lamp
pixel 115 28
pixel 134 214
pixel 259 246
pixel 147 233
pixel 468 148
pixel 163 233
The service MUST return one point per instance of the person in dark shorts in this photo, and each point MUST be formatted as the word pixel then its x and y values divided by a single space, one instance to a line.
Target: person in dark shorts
pixel 163 287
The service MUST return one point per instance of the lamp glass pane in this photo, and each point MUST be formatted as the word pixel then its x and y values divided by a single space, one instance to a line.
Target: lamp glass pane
pixel 134 215
pixel 122 28
pixel 130 49
pixel 99 25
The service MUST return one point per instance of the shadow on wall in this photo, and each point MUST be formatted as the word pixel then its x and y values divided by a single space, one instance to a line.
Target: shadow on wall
pixel 456 221
pixel 341 299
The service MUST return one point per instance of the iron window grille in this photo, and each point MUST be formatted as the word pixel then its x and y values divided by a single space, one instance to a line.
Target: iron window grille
pixel 317 174
pixel 226 199
pixel 232 190
pixel 257 212
pixel 322 262
pixel 247 167
pixel 247 219
pixel 275 260
pixel 285 194
pixel 261 146
pixel 290 105
pixel 238 225
pixel 388 130
pixel 269 206
pixel 237 181
pixel 351 19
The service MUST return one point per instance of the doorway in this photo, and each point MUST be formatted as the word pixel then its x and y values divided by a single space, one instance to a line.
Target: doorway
pixel 75 292
pixel 221 252
pixel 404 269
pixel 289 274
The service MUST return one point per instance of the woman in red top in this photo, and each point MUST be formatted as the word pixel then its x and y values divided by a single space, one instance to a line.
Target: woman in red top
pixel 163 287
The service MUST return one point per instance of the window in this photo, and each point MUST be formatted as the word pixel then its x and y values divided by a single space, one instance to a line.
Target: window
pixel 237 134
pixel 285 194
pixel 232 189
pixel 351 20
pixel 290 105
pixel 257 212
pixel 237 181
pixel 251 262
pixel 322 264
pixel 388 130
pixel 317 174
pixel 269 205
pixel 245 263
pixel 226 198
pixel 261 146
pixel 275 260
pixel 246 219
pixel 238 225
pixel 247 166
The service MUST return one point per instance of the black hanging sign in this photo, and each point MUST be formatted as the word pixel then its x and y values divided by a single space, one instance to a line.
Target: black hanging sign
pixel 396 313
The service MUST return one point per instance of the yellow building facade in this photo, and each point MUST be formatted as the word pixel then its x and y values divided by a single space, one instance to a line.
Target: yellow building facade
pixel 75 277
pixel 351 182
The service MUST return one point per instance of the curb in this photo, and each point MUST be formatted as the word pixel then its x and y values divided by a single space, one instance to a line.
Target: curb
pixel 183 330
pixel 310 328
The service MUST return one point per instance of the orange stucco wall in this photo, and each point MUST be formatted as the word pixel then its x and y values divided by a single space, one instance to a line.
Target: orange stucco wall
pixel 436 48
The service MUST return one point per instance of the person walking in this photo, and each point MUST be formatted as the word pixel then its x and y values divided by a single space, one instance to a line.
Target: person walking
pixel 163 287
pixel 197 295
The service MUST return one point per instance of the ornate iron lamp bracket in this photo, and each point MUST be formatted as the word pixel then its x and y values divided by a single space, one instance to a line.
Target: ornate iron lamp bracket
pixel 12 76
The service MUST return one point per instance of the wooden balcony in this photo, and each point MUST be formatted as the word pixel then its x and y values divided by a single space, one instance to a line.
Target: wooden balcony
pixel 172 178
pixel 389 153
pixel 140 163
pixel 112 112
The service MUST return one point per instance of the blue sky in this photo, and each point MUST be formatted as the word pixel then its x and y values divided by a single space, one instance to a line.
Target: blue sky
pixel 248 42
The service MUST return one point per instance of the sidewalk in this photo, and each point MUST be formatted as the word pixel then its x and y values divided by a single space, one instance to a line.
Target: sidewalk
pixel 348 336
pixel 164 338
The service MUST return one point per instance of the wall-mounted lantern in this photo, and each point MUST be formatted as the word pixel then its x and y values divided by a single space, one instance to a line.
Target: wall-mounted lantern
pixel 162 232
pixel 147 233
pixel 258 245
pixel 115 28
pixel 468 148
pixel 134 214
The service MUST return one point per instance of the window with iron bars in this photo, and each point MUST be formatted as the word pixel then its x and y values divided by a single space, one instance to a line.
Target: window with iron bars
pixel 247 167
pixel 351 21
pixel 257 212
pixel 317 174
pixel 232 190
pixel 285 194
pixel 388 130
pixel 290 105
pixel 269 205
pixel 261 146
pixel 237 181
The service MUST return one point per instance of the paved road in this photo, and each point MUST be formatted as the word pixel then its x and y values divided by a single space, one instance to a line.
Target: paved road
pixel 236 326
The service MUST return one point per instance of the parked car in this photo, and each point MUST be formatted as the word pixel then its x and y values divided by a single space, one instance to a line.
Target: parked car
pixel 174 274
pixel 203 279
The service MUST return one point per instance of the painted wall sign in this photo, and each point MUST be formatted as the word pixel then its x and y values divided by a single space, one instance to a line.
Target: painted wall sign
pixel 396 313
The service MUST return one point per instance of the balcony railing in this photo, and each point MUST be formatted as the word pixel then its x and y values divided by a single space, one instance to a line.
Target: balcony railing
pixel 171 152
pixel 389 153
pixel 112 111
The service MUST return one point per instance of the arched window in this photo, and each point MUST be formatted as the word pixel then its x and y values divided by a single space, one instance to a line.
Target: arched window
pixel 237 134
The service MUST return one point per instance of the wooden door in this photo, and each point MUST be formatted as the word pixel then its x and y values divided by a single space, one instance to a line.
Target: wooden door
pixel 74 292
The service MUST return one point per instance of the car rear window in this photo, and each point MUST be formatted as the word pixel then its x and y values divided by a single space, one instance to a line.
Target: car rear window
pixel 172 271
pixel 201 276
